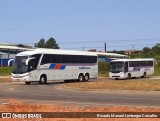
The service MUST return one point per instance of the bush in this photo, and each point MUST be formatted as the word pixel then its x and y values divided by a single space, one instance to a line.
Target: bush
pixel 103 68
pixel 158 63
pixel 157 68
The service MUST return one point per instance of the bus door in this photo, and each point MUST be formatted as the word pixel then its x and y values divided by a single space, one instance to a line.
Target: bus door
pixel 32 69
pixel 126 67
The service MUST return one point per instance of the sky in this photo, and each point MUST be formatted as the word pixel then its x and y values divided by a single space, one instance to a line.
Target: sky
pixel 82 24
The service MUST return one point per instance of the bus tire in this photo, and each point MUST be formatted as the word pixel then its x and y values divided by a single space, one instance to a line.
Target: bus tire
pixel 86 77
pixel 129 76
pixel 144 75
pixel 80 77
pixel 28 82
pixel 43 79
pixel 67 81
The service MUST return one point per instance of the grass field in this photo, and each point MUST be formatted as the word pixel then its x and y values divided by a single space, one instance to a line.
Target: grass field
pixel 5 71
pixel 103 74
pixel 146 85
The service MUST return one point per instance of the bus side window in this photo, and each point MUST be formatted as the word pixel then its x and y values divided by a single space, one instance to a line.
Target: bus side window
pixel 137 63
pixel 126 67
pixel 142 63
pixel 132 64
pixel 150 63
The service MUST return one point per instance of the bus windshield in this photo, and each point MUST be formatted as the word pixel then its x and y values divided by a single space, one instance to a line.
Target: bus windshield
pixel 116 67
pixel 19 65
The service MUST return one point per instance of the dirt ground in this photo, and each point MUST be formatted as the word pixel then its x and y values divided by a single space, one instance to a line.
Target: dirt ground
pixel 13 105
pixel 132 84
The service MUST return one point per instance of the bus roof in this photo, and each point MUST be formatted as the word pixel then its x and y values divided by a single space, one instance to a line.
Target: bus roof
pixel 55 51
pixel 137 59
pixel 111 54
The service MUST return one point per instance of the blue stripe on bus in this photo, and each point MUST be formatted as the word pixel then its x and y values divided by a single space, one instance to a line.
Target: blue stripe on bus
pixel 52 66
pixel 136 69
pixel 62 67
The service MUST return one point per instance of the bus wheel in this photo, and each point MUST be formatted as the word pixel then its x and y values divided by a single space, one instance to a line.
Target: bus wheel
pixel 129 76
pixel 43 80
pixel 144 75
pixel 86 77
pixel 67 81
pixel 27 82
pixel 80 77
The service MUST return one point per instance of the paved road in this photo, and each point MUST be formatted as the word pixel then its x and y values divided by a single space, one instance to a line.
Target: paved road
pixel 51 93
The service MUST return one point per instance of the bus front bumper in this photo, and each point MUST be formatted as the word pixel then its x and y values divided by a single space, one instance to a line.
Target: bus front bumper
pixel 23 77
pixel 117 75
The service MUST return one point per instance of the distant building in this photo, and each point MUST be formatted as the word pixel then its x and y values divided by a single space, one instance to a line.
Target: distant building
pixel 92 50
pixel 107 57
pixel 8 51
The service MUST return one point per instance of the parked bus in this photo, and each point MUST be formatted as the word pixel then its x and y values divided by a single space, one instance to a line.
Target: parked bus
pixel 42 65
pixel 128 68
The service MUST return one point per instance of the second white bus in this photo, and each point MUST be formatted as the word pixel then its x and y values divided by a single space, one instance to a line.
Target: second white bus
pixel 128 68
pixel 53 64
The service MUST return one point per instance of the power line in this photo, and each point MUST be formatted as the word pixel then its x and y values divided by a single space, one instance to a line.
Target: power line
pixel 93 47
pixel 132 45
pixel 75 42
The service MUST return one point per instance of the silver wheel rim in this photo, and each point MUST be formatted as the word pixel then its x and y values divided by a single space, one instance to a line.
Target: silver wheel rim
pixel 42 80
pixel 80 78
pixel 129 76
pixel 86 78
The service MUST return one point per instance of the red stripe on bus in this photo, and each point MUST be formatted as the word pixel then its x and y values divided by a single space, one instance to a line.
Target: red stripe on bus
pixel 58 66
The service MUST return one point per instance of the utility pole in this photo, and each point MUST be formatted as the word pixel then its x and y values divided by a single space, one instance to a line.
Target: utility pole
pixel 105 48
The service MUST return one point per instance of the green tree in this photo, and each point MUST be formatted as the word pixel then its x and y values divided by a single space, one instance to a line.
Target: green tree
pixel 50 43
pixel 41 43
pixel 156 49
pixel 146 50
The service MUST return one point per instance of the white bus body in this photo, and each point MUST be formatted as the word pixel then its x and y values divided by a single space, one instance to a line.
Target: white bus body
pixel 128 68
pixel 54 64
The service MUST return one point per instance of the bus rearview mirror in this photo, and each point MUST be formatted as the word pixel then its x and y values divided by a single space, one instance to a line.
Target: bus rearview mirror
pixel 27 61
pixel 9 61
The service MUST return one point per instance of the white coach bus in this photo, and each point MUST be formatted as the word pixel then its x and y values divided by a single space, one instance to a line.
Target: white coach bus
pixel 128 68
pixel 53 64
